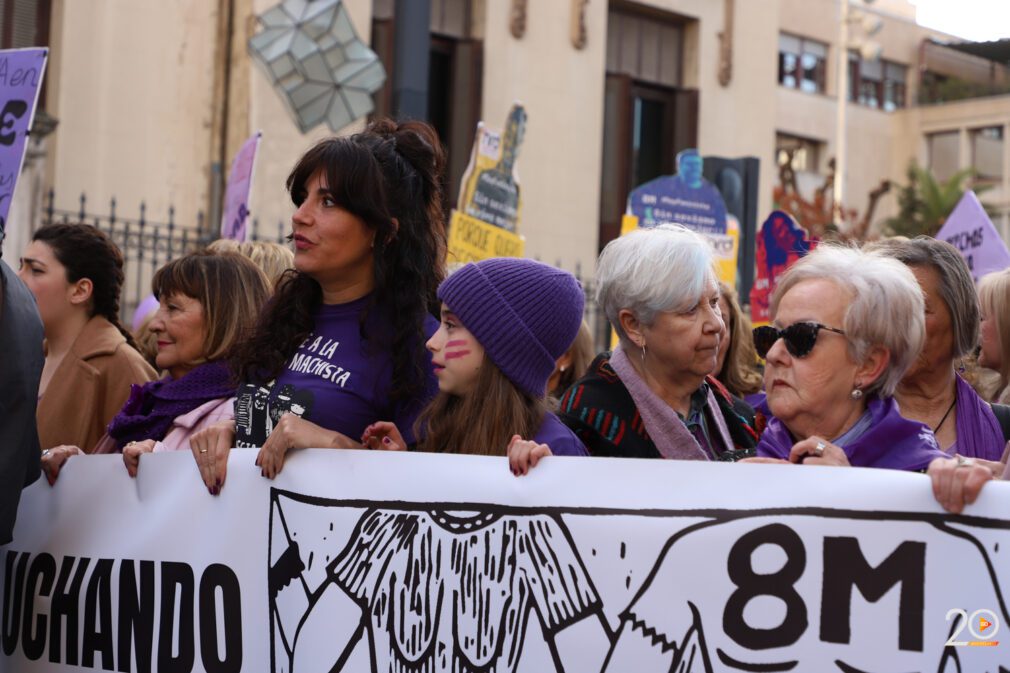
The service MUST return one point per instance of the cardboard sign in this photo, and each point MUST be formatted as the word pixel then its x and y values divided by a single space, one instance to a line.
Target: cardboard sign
pixel 380 561
pixel 471 240
pixel 21 72
pixel 235 215
pixel 685 198
pixel 780 242
pixel 490 185
pixel 970 230
pixel 486 220
pixel 726 248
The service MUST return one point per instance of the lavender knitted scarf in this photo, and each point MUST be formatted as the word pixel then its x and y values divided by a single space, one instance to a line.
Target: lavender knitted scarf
pixel 151 408
pixel 672 438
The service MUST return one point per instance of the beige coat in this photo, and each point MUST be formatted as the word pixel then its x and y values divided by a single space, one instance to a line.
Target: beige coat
pixel 90 387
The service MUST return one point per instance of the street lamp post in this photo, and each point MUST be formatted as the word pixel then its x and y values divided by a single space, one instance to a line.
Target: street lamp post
pixel 840 128
pixel 870 51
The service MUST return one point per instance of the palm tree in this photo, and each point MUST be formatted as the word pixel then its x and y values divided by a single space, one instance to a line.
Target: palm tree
pixel 925 203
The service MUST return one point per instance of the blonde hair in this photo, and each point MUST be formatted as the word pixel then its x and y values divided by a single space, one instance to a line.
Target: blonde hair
pixel 272 258
pixel 739 372
pixel 582 352
pixel 994 299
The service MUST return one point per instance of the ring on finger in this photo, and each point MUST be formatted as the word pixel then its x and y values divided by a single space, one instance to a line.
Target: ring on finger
pixel 203 450
pixel 819 449
pixel 963 462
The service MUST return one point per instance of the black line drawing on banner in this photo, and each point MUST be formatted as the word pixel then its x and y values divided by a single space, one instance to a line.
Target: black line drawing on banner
pixel 388 586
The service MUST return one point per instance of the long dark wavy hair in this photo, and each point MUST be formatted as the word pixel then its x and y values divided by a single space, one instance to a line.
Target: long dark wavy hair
pixel 87 252
pixel 389 171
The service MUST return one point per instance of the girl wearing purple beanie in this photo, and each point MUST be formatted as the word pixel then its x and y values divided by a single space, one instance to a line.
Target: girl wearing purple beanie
pixel 505 321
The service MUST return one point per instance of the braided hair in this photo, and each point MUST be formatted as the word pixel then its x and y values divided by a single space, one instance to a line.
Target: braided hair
pixel 88 252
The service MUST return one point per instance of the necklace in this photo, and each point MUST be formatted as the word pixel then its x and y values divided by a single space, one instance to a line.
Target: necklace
pixel 944 419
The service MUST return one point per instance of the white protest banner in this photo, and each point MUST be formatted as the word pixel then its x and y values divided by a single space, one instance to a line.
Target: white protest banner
pixel 373 561
pixel 21 72
pixel 969 229
pixel 236 197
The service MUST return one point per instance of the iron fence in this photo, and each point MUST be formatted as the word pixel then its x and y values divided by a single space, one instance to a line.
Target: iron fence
pixel 147 244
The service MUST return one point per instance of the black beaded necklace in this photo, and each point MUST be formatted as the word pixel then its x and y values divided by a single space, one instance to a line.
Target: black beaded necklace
pixel 944 419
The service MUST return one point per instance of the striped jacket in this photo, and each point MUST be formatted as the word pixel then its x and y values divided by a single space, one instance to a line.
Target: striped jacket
pixel 599 409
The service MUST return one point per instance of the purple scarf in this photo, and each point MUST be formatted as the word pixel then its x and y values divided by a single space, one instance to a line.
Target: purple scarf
pixel 978 432
pixel 892 441
pixel 151 408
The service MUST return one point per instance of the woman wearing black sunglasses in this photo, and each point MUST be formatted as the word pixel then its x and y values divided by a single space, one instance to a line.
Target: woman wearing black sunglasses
pixel 846 326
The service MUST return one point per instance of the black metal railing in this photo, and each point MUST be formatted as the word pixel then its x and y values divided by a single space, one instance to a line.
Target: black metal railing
pixel 147 244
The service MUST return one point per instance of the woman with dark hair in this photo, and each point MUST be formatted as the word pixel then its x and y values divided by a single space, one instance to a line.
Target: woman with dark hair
pixel 76 275
pixel 341 344
pixel 207 303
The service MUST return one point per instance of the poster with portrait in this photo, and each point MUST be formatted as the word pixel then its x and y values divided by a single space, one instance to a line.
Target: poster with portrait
pixel 780 242
pixel 685 198
pixel 485 222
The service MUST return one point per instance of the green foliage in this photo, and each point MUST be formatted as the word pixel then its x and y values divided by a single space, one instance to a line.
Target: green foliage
pixel 924 203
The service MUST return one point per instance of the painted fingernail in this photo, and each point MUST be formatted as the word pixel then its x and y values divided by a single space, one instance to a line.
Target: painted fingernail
pixel 218 482
pixel 387 440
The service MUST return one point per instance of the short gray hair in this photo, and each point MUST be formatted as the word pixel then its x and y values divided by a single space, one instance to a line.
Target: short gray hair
pixel 887 308
pixel 648 271
pixel 957 288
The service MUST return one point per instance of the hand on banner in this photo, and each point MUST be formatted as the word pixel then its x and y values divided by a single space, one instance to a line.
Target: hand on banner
pixel 210 448
pixel 765 459
pixel 524 455
pixel 383 435
pixel 131 454
pixel 957 482
pixel 294 432
pixel 818 451
pixel 52 460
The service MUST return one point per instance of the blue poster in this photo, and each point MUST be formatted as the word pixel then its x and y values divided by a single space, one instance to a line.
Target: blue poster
pixel 685 198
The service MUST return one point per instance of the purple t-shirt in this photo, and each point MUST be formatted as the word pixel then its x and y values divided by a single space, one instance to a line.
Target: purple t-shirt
pixel 555 434
pixel 335 379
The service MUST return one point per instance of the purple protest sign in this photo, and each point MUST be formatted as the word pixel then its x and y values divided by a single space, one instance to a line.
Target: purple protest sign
pixel 21 72
pixel 970 230
pixel 236 197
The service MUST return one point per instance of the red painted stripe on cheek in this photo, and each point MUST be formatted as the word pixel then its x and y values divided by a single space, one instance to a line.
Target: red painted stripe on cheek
pixel 456 354
pixel 457 342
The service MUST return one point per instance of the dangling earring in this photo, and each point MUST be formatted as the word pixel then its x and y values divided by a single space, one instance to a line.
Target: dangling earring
pixel 856 393
pixel 643 353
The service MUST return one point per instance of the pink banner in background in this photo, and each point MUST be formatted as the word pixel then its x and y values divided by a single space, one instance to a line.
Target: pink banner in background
pixel 236 198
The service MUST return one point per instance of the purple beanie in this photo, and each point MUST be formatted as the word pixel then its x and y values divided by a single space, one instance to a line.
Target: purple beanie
pixel 524 313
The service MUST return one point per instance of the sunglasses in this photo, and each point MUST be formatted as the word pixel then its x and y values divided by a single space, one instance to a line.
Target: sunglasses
pixel 800 338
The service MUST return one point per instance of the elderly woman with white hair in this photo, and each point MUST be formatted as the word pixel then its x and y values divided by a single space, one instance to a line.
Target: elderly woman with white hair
pixel 846 327
pixel 654 396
